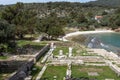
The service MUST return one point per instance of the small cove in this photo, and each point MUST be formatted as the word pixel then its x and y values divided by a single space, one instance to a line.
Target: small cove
pixel 108 41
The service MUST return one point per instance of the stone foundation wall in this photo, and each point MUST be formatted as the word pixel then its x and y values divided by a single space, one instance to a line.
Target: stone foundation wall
pixel 42 51
pixel 10 66
pixel 22 72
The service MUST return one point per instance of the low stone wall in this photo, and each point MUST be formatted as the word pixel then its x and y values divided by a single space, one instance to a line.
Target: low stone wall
pixel 10 66
pixel 93 64
pixel 22 72
pixel 42 51
pixel 115 68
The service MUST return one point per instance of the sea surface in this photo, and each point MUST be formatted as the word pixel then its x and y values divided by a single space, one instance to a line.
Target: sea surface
pixel 108 41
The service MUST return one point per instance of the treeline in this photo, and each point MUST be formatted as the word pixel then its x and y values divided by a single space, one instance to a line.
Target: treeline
pixel 51 18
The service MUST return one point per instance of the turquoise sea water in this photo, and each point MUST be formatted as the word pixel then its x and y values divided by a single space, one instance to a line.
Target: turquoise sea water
pixel 108 41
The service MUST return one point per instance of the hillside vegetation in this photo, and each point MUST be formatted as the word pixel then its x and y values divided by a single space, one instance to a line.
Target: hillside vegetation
pixel 52 18
pixel 110 3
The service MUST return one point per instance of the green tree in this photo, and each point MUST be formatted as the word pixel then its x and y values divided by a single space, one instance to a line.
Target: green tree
pixel 24 20
pixel 11 12
pixel 117 19
pixel 90 15
pixel 104 13
pixel 81 18
pixel 7 34
pixel 51 25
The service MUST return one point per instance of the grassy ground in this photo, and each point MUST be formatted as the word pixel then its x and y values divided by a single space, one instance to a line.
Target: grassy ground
pixel 104 72
pixel 32 46
pixel 3 57
pixel 3 76
pixel 85 53
pixel 25 42
pixel 34 73
pixel 51 71
pixel 56 51
pixel 74 51
pixel 65 50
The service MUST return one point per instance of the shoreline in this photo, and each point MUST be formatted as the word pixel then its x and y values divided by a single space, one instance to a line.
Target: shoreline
pixel 110 54
pixel 84 32
pixel 87 32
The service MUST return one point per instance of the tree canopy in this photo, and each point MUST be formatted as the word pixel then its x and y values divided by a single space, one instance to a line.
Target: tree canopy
pixel 24 20
pixel 51 25
pixel 7 34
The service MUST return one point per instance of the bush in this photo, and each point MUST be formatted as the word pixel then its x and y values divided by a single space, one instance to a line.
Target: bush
pixel 3 48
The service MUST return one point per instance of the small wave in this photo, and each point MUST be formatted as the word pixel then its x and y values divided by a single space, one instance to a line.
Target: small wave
pixel 90 45
pixel 103 45
pixel 97 43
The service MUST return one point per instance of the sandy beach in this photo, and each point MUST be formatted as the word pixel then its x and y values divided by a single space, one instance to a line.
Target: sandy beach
pixel 85 32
